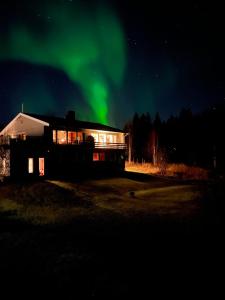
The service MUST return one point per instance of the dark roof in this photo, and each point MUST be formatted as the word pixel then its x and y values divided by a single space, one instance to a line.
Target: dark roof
pixel 62 123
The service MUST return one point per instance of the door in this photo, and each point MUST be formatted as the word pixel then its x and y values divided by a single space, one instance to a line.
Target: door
pixel 41 166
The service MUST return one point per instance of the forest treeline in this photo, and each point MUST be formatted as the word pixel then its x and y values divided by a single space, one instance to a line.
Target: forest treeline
pixel 193 139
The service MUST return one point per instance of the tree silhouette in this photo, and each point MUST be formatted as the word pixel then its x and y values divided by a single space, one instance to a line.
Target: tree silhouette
pixel 193 139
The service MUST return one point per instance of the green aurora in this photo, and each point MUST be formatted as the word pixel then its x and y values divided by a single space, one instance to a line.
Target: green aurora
pixel 88 45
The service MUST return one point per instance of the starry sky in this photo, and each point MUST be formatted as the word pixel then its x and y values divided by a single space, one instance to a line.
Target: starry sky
pixel 109 59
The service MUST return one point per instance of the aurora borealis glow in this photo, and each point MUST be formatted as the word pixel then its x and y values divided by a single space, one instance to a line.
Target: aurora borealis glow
pixel 107 59
pixel 88 45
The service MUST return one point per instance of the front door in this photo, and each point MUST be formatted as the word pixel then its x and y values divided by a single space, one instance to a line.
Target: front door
pixel 41 166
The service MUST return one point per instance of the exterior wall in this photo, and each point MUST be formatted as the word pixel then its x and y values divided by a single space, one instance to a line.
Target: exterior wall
pixel 21 151
pixel 110 160
pixel 62 160
pixel 69 160
pixel 25 125
pixel 59 160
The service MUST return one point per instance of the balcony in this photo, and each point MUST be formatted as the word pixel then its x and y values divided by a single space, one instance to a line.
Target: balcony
pixel 8 139
pixel 99 145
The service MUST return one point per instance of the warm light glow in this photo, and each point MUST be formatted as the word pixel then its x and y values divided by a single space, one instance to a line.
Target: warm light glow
pixel 13 136
pixel 4 165
pixel 64 137
pixel 95 136
pixel 109 138
pixel 95 156
pixel 61 136
pixel 30 165
pixel 102 156
pixel 41 166
pixel 98 156
pixel 105 137
pixel 79 137
pixel 54 136
pixel 102 138
pixel 71 137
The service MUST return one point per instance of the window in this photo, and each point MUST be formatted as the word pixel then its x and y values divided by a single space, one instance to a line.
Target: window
pixel 95 156
pixel 102 138
pixel 54 137
pixel 79 137
pixel 62 137
pixel 99 156
pixel 109 138
pixel 30 165
pixel 22 136
pixel 71 137
pixel 102 156
pixel 41 166
pixel 95 136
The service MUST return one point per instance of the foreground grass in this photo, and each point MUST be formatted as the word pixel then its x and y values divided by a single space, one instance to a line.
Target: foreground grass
pixel 107 238
pixel 53 202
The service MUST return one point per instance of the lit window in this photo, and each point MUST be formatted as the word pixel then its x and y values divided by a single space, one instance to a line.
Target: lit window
pixel 102 156
pixel 95 136
pixel 95 156
pixel 30 165
pixel 79 137
pixel 102 138
pixel 114 139
pixel 109 138
pixel 13 136
pixel 22 136
pixel 54 136
pixel 41 166
pixel 99 156
pixel 71 137
pixel 61 135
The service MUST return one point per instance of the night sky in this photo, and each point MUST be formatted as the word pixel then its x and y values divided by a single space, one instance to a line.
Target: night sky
pixel 109 59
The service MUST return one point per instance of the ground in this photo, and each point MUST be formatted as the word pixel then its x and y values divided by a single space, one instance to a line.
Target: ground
pixel 121 236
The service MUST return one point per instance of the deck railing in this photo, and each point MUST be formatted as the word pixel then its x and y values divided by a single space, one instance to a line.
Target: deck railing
pixel 5 140
pixel 99 145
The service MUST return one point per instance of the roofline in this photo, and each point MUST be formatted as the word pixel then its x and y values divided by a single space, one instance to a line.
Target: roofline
pixel 35 119
pixel 85 125
pixel 26 116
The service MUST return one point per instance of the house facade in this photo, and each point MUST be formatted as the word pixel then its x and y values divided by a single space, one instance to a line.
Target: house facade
pixel 34 145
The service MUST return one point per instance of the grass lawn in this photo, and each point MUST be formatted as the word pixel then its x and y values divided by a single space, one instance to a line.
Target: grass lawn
pixel 52 201
pixel 109 237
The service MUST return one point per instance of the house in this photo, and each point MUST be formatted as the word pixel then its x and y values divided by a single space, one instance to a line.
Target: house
pixel 34 145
